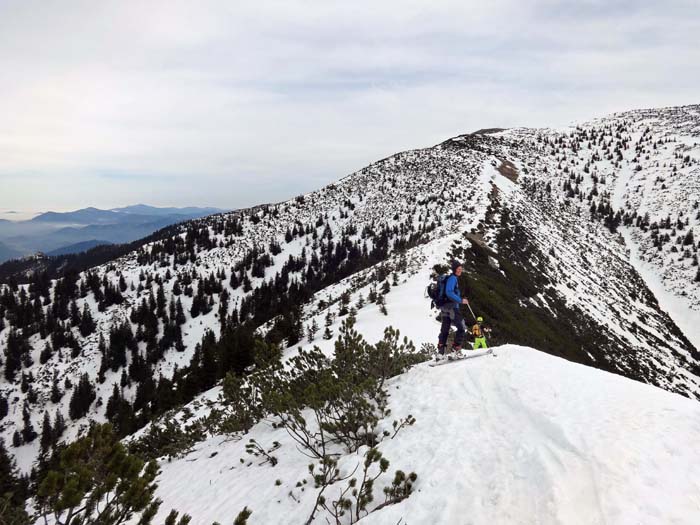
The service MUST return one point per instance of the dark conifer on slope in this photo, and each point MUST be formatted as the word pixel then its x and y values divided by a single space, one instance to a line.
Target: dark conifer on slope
pixel 3 406
pixel 13 491
pixel 82 397
pixel 128 485
pixel 47 433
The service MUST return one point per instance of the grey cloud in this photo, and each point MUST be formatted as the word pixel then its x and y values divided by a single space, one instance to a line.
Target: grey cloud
pixel 173 101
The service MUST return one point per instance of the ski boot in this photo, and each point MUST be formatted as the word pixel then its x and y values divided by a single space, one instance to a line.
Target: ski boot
pixel 440 356
pixel 456 353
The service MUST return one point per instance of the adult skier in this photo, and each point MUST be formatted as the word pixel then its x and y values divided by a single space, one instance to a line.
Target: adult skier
pixel 478 331
pixel 451 315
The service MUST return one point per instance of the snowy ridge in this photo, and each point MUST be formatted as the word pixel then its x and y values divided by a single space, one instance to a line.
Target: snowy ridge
pixel 644 163
pixel 587 267
pixel 521 438
pixel 511 192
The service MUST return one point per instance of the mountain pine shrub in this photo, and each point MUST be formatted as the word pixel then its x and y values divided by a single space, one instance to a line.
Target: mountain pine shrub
pixel 96 480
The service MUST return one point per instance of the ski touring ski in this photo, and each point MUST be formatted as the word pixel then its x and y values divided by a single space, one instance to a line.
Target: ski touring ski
pixel 467 355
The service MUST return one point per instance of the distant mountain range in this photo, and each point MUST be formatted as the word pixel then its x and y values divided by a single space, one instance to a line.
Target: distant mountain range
pixel 78 247
pixel 60 233
pixel 7 253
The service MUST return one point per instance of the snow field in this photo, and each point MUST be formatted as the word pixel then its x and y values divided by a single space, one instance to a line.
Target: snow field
pixel 521 438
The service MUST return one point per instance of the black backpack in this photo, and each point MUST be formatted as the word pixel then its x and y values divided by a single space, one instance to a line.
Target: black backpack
pixel 436 291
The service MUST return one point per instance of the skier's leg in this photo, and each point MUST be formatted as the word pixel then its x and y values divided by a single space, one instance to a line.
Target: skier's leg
pixel 444 332
pixel 479 342
pixel 461 327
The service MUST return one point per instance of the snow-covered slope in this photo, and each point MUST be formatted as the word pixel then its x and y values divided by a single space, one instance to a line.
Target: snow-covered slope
pixel 520 438
pixel 398 202
pixel 514 205
pixel 645 166
pixel 586 265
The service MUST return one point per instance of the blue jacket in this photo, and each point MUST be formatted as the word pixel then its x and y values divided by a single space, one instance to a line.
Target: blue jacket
pixel 452 291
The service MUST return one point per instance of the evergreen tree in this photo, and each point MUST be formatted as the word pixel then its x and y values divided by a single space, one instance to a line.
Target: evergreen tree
pixel 32 396
pixel 179 343
pixel 386 287
pixel 83 396
pixel 121 339
pixel 234 282
pixel 372 297
pixel 74 314
pixel 56 392
pixel 16 351
pixel 87 324
pixel 113 404
pixel 172 311
pixel 122 284
pixel 382 304
pixel 13 491
pixel 180 318
pixel 24 383
pixel 344 303
pixel 198 302
pixel 3 406
pixel 74 488
pixel 59 426
pixel 242 407
pixel 47 433
pixel 28 432
pixel 312 330
pixel 46 353
pixel 160 302
pixel 124 380
pixel 689 239
pixel 101 373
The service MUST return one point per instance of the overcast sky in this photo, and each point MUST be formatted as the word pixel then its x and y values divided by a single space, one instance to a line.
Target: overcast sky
pixel 106 103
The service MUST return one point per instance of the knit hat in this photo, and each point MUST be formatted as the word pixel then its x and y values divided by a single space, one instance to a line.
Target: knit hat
pixel 455 264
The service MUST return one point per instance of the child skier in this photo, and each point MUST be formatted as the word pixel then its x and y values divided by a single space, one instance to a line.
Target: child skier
pixel 478 332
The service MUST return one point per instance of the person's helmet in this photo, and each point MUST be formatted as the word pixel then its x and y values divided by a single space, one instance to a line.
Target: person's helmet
pixel 479 319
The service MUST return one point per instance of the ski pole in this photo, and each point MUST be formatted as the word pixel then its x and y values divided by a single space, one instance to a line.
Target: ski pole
pixel 470 309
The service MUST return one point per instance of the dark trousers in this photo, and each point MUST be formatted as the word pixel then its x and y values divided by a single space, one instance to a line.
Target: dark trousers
pixel 452 317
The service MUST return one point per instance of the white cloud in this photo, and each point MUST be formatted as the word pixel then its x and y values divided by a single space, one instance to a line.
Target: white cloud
pixel 107 103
